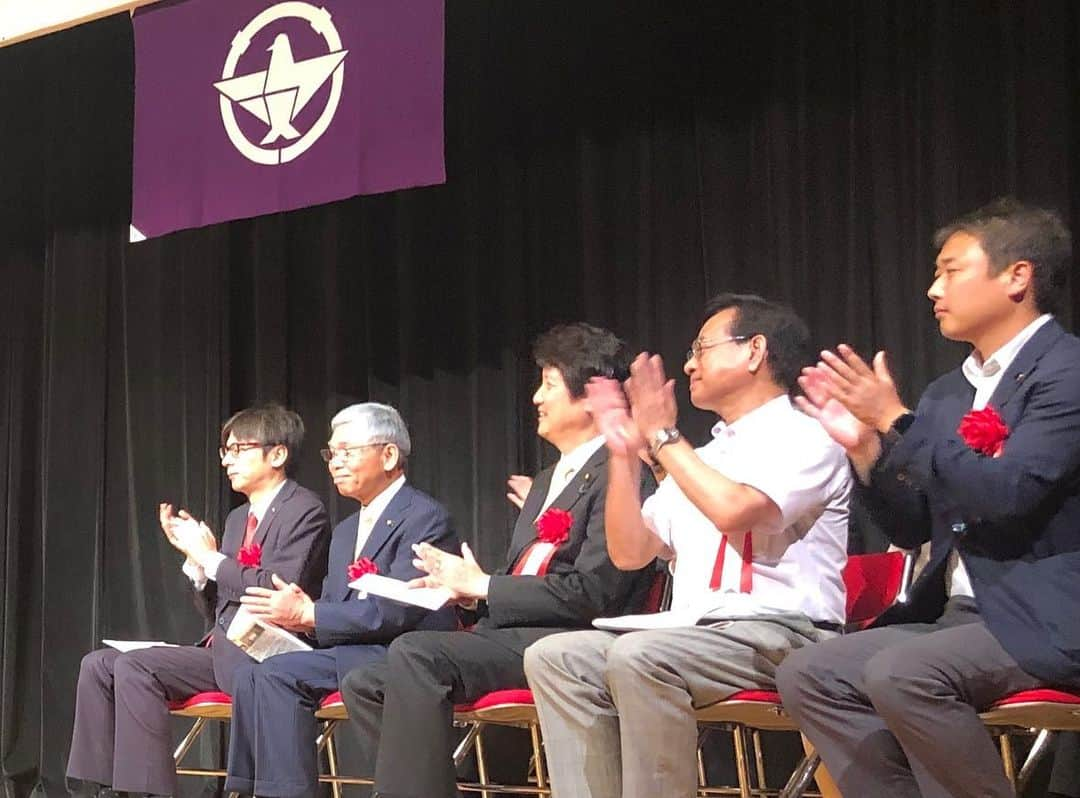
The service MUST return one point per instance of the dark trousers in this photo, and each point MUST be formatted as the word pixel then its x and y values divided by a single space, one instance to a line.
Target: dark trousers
pixel 894 711
pixel 272 738
pixel 1065 775
pixel 123 734
pixel 405 707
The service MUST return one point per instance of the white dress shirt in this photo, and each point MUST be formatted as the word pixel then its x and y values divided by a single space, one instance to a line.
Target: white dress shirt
pixel 568 465
pixel 796 565
pixel 370 513
pixel 985 375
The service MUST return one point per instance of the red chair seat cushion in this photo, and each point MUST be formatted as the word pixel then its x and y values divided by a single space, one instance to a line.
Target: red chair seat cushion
pixel 333 698
pixel 201 699
pixel 497 698
pixel 1041 694
pixel 760 696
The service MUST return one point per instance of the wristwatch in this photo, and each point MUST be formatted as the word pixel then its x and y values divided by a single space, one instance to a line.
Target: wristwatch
pixel 661 438
pixel 898 428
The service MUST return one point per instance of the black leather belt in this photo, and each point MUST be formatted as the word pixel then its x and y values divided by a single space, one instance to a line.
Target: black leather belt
pixel 828 626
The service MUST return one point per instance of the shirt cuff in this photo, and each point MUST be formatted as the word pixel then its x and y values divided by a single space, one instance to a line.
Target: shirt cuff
pixel 211 565
pixel 195 573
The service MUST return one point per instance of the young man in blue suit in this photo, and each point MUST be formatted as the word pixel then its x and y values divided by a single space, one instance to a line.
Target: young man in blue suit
pixel 987 468
pixel 123 733
pixel 272 740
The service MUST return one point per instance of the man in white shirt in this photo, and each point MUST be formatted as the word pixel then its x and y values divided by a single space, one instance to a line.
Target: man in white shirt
pixel 755 523
pixel 987 468
pixel 272 738
pixel 123 733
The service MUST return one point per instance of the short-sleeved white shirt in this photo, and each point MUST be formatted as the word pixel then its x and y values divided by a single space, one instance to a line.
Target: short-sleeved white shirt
pixel 796 566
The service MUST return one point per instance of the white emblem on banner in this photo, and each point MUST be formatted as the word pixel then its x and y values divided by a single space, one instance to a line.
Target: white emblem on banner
pixel 276 95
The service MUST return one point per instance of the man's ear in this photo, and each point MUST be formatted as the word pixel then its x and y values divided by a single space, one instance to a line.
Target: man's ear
pixel 391 457
pixel 1019 279
pixel 279 454
pixel 759 353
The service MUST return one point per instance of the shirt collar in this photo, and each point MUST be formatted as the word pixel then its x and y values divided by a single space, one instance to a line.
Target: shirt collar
pixel 576 458
pixel 975 370
pixel 378 505
pixel 258 509
pixel 759 416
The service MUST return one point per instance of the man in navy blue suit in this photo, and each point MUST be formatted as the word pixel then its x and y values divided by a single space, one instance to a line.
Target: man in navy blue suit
pixel 987 468
pixel 272 740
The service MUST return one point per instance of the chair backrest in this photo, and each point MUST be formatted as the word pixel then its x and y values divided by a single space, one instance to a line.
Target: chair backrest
pixel 658 596
pixel 873 582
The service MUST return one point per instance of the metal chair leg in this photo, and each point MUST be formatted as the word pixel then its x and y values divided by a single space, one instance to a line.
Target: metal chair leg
pixel 1008 760
pixel 742 767
pixel 331 760
pixel 467 743
pixel 759 759
pixel 481 766
pixel 1038 750
pixel 538 757
pixel 702 734
pixel 189 740
pixel 802 776
pixel 325 734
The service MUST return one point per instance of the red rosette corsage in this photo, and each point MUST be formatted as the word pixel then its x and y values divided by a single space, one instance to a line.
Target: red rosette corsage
pixel 250 556
pixel 360 567
pixel 554 526
pixel 984 431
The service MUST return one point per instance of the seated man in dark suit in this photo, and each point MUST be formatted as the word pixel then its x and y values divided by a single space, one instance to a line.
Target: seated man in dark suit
pixel 558 576
pixel 272 740
pixel 123 736
pixel 987 468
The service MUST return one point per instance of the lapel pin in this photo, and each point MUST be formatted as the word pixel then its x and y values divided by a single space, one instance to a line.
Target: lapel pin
pixel 1020 376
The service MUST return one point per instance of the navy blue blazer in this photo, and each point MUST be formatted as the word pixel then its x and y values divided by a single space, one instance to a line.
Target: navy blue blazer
pixel 359 630
pixel 1014 519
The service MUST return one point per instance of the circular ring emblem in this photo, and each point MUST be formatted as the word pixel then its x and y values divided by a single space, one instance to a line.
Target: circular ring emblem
pixel 320 21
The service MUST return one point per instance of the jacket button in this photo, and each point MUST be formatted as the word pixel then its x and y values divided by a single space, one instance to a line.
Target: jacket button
pixel 959 528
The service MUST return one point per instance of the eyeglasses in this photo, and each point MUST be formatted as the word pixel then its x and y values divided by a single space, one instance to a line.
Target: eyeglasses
pixel 699 346
pixel 345 452
pixel 234 449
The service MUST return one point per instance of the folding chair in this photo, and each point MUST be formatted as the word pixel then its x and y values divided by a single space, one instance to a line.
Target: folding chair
pixel 515 708
pixel 872 582
pixel 211 705
pixel 1041 712
pixel 332 712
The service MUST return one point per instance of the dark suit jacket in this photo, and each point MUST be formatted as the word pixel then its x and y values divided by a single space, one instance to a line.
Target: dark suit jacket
pixel 356 626
pixel 1015 519
pixel 294 534
pixel 581 582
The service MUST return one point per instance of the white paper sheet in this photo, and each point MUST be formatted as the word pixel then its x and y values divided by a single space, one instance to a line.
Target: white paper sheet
pixel 431 598
pixel 135 645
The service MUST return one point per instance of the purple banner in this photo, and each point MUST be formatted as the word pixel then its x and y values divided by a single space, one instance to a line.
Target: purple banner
pixel 246 107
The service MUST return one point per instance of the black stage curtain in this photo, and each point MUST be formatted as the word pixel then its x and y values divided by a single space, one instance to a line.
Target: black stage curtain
pixel 612 162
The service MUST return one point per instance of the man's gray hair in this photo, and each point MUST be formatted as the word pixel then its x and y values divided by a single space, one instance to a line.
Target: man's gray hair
pixel 377 424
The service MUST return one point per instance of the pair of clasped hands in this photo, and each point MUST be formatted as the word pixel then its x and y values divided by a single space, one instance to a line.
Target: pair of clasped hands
pixel 853 400
pixel 192 538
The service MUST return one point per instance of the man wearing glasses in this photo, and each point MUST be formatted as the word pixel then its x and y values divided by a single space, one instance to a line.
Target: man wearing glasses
pixel 122 736
pixel 272 739
pixel 756 524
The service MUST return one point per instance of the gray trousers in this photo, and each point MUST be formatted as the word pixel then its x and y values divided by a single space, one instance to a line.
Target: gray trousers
pixel 617 710
pixel 894 711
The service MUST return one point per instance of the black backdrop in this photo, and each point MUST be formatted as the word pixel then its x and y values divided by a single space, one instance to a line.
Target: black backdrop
pixel 614 162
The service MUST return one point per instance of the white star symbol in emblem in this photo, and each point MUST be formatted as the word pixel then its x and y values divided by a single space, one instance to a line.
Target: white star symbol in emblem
pixel 278 93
